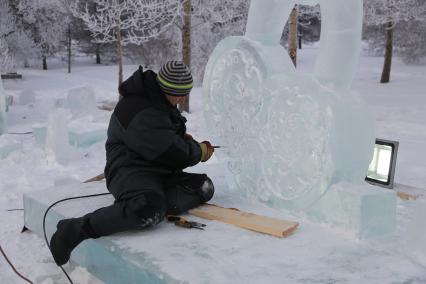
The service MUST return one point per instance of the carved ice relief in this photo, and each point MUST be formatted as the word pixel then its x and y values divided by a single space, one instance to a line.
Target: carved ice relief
pixel 289 135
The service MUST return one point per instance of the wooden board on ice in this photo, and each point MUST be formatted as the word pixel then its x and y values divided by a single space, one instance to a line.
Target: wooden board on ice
pixel 267 225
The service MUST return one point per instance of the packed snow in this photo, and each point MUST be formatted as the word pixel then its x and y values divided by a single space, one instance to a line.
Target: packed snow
pixel 314 254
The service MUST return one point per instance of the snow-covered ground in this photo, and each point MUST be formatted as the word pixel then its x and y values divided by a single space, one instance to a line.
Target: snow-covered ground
pixel 315 255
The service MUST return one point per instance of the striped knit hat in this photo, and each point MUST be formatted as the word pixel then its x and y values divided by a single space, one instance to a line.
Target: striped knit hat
pixel 175 79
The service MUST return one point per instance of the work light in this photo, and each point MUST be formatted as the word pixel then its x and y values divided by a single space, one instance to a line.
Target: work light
pixel 381 171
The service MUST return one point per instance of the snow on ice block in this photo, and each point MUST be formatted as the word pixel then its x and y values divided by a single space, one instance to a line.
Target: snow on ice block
pixel 8 145
pixel 166 253
pixel 364 210
pixel 83 134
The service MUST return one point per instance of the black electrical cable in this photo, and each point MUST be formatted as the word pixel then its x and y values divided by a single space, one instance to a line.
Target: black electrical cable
pixel 44 222
pixel 13 267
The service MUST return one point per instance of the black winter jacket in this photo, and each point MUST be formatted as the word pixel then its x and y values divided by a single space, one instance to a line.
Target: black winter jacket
pixel 145 135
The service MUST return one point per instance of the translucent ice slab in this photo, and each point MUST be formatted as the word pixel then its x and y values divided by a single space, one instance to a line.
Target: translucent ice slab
pixel 364 210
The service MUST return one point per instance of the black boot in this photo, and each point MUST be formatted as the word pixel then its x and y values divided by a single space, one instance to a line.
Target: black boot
pixel 69 234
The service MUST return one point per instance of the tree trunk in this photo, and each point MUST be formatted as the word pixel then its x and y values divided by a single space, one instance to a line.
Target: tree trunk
pixel 119 57
pixel 98 53
pixel 186 45
pixel 69 48
pixel 300 40
pixel 292 35
pixel 388 53
pixel 44 60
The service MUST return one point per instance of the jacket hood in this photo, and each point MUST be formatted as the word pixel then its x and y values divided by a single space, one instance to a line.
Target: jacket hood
pixel 144 84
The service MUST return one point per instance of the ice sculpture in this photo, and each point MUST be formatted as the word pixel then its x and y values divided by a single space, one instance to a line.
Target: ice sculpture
pixel 288 135
pixel 2 109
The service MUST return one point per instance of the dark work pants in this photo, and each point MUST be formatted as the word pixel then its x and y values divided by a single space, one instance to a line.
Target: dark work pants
pixel 138 208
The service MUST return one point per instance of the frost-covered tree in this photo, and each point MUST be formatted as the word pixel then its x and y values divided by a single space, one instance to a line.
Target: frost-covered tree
pixel 6 58
pixel 309 22
pixel 211 21
pixel 44 21
pixel 126 21
pixel 390 13
pixel 7 22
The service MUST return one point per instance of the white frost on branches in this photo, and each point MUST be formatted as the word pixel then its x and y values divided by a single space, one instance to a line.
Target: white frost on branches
pixel 6 59
pixel 409 16
pixel 136 20
pixel 7 22
pixel 47 23
pixel 378 12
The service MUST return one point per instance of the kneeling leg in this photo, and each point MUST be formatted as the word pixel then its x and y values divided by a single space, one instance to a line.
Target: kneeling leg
pixel 188 191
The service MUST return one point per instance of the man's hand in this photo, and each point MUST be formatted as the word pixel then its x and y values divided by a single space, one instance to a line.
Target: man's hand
pixel 206 150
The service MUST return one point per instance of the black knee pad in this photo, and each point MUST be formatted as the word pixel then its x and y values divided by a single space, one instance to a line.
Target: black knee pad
pixel 148 208
pixel 207 190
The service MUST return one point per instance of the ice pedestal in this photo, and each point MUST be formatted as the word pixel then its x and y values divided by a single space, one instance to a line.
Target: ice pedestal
pixel 166 253
pixel 103 257
pixel 359 209
pixel 414 239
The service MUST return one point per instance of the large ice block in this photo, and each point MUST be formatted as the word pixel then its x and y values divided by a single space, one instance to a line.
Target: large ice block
pixel 85 134
pixel 2 109
pixel 8 144
pixel 363 210
pixel 103 257
pixel 26 96
pixel 414 239
pixel 166 253
pixel 81 100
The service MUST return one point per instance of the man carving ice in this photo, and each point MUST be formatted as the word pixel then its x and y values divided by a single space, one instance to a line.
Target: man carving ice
pixel 146 150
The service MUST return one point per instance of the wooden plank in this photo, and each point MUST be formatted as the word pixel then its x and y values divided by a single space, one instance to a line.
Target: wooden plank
pixel 407 196
pixel 407 192
pixel 267 225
